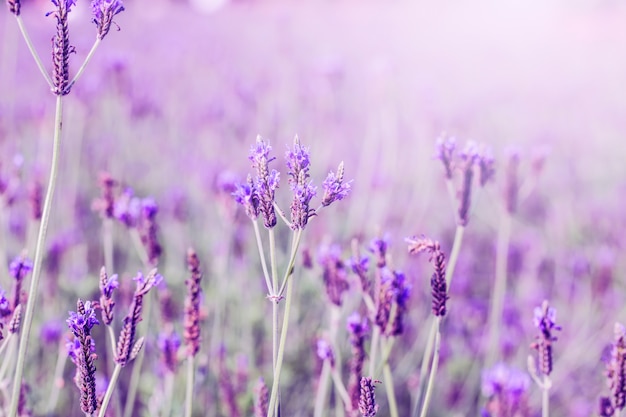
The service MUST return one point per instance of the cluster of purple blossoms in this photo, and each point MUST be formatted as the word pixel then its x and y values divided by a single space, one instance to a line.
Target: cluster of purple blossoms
pixel 360 266
pixel 107 285
pixel 616 375
pixel 82 353
pixel 545 321
pixel 471 158
pixel 18 269
pixel 334 273
pixel 103 12
pixel 438 284
pixel 505 389
pixel 367 399
pixel 358 330
pixel 392 302
pixel 257 195
pixel 168 343
pixel 324 351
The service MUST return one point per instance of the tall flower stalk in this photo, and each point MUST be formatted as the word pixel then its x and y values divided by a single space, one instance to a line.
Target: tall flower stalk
pixel 60 85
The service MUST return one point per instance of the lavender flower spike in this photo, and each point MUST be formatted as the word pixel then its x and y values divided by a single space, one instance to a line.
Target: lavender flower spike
pixel 299 164
pixel 544 320
pixel 266 181
pixel 445 153
pixel 438 284
pixel 192 304
pixel 80 323
pixel 367 401
pixel 14 6
pixel 61 48
pixel 103 12
pixel 107 285
pixel 616 368
pixel 334 187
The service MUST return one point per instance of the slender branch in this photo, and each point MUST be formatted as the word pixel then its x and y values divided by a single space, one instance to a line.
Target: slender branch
pixel 85 62
pixel 33 52
pixel 433 371
pixel 322 389
pixel 58 381
pixel 37 264
pixel 259 243
pixel 189 392
pixel 391 396
pixel 109 393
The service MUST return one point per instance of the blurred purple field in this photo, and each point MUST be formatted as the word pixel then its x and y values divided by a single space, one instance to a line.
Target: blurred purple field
pixel 170 106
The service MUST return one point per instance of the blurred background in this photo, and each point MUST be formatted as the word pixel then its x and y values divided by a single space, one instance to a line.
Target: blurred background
pixel 173 100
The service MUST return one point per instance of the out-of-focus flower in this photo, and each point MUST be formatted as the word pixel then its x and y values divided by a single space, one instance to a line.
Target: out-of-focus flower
pixel 545 321
pixel 334 273
pixel 505 389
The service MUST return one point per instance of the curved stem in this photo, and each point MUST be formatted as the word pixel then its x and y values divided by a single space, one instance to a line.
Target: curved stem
pixel 281 350
pixel 391 396
pixel 58 379
pixel 433 371
pixel 454 254
pixel 33 51
pixel 430 344
pixel 322 389
pixel 259 243
pixel 341 388
pixel 109 393
pixel 85 62
pixel 189 393
pixel 499 288
pixel 37 264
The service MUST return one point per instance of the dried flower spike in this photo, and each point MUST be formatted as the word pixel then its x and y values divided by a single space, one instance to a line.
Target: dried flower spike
pixel 367 400
pixel 544 320
pixel 103 12
pixel 439 289
pixel 192 304
pixel 82 352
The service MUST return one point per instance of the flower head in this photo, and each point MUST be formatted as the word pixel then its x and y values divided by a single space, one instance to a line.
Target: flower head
pixel 445 153
pixel 334 187
pixel 19 267
pixel 103 12
pixel 266 181
pixel 544 319
pixel 82 320
pixel 247 195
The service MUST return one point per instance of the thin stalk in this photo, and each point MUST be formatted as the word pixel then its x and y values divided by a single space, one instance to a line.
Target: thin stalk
pixel 322 389
pixel 499 289
pixel 386 353
pixel 545 398
pixel 141 251
pixel 3 254
pixel 33 52
pixel 259 243
pixel 189 393
pixel 37 264
pixel 166 410
pixel 454 254
pixel 107 244
pixel 111 367
pixel 341 388
pixel 57 382
pixel 391 396
pixel 109 393
pixel 281 351
pixel 85 62
pixel 430 344
pixel 433 371
pixel 374 350
pixel 5 343
pixel 274 269
pixel 8 359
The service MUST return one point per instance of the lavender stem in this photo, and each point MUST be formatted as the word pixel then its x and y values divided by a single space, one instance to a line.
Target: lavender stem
pixel 322 389
pixel 189 392
pixel 545 397
pixel 110 388
pixel 85 62
pixel 33 51
pixel 58 380
pixel 259 243
pixel 141 251
pixel 433 370
pixel 341 388
pixel 499 289
pixel 107 243
pixel 374 349
pixel 391 396
pixel 37 264
pixel 454 254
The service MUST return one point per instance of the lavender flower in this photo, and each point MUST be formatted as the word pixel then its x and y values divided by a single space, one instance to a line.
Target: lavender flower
pixel 485 166
pixel 192 304
pixel 379 247
pixel 18 268
pixel 228 393
pixel 445 153
pixel 247 195
pixel 148 230
pixel 35 194
pixel 360 266
pixel 505 389
pixel 394 291
pixel 123 352
pixel 605 407
pixel 5 305
pixel 51 332
pixel 105 204
pixel 16 319
pixel 127 208
pixel 103 12
pixel 334 273
pixel 512 183
pixel 261 399
pixel 438 283
pixel 616 368
pixel 61 48
pixel 80 323
pixel 468 158
pixel 544 320
pixel 358 330
pixel 168 343
pixel 325 351
pixel 107 285
pixel 367 400
pixel 334 187
pixel 14 6
pixel 266 181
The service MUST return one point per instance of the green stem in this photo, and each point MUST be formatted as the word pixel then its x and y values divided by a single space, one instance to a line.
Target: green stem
pixel 433 371
pixel 33 52
pixel 109 393
pixel 37 264
pixel 391 396
pixel 454 254
pixel 168 389
pixel 374 350
pixel 341 388
pixel 259 243
pixel 141 251
pixel 545 397
pixel 274 302
pixel 322 389
pixel 281 350
pixel 430 344
pixel 189 393
pixel 85 62
pixel 499 289
pixel 111 368
pixel 58 381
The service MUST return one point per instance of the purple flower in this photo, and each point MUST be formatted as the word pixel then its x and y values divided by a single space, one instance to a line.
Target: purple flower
pixel 334 274
pixel 325 351
pixel 168 343
pixel 334 187
pixel 544 320
pixel 266 181
pixel 367 400
pixel 394 289
pixel 357 325
pixel 298 159
pixel 19 267
pixel 51 332
pixel 82 322
pixel 260 154
pixel 5 305
pixel 65 3
pixel 127 208
pixel 445 153
pixel 246 195
pixel 298 163
pixel 379 247
pixel 103 12
pixel 360 267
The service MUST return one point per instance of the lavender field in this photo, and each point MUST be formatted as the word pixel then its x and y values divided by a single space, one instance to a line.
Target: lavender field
pixel 319 208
